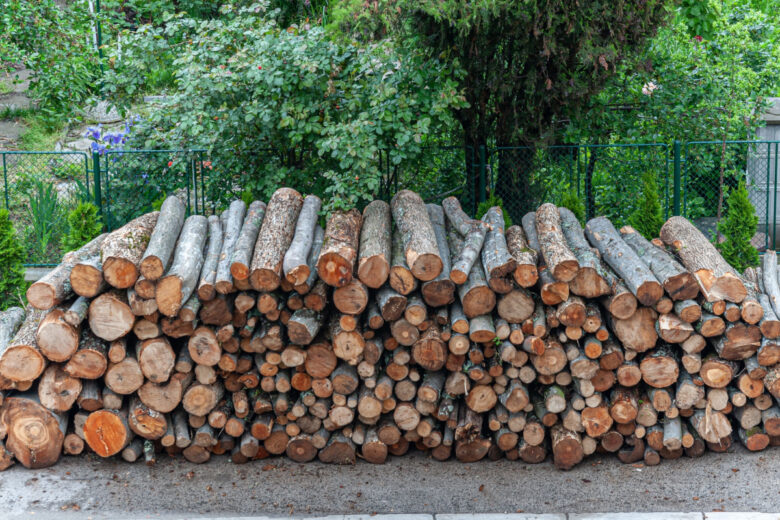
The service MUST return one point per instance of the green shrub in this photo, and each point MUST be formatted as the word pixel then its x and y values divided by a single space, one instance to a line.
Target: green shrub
pixel 12 284
pixel 83 225
pixel 569 199
pixel 44 214
pixel 738 228
pixel 648 217
pixel 491 201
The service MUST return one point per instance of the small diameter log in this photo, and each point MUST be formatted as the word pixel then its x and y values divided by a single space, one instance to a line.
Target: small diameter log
pixel 35 433
pixel 441 290
pixel 311 261
pixel 122 249
pixel 551 290
pixel 475 296
pixel 351 298
pixel 526 273
pixel 208 274
pixel 770 323
pixel 165 397
pixel 86 277
pixel 178 284
pixel 303 326
pixel 419 240
pixel 107 432
pixel 688 310
pixel 375 244
pixel 295 264
pixel 496 260
pixel 200 399
pixel 146 422
pixel 672 329
pixel 232 219
pixel 712 426
pixel 717 279
pixel 624 261
pixel 20 358
pixel 156 359
pixel 659 368
pixel 159 252
pixel 463 260
pixel 56 338
pixel 124 377
pixel 110 315
pixel 678 283
pixel 591 280
pixel 57 390
pixel 558 257
pixel 56 286
pixel 274 239
pixel 340 246
pixel 339 450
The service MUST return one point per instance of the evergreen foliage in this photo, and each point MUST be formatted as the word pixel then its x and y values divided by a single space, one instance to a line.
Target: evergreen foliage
pixel 648 218
pixel 738 228
pixel 83 225
pixel 12 284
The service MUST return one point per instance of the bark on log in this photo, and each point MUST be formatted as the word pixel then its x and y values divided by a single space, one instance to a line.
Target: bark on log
pixel 551 290
pixel 496 260
pixel 122 249
pixel 558 257
pixel 441 290
pixel 626 263
pixel 526 259
pixel 233 231
pixel 717 279
pixel 159 252
pixel 207 288
pixel 375 244
pixel 591 280
pixel 178 284
pixel 57 390
pixel 339 251
pixel 274 239
pixel 295 264
pixel 21 359
pixel 419 240
pixel 90 360
pixel 56 287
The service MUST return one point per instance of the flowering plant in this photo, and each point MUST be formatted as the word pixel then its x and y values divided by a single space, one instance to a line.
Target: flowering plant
pixel 110 140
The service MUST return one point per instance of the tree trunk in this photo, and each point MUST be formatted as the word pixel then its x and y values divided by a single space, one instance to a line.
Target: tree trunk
pixel 35 434
pixel 419 240
pixel 159 252
pixel 122 249
pixel 178 284
pixel 274 239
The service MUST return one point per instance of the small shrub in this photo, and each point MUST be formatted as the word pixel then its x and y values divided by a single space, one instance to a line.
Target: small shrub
pixel 491 201
pixel 83 225
pixel 569 199
pixel 648 217
pixel 44 213
pixel 738 228
pixel 12 284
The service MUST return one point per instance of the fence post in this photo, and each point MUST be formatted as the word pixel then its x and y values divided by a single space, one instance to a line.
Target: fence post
pixel 96 180
pixel 5 183
pixel 482 173
pixel 677 163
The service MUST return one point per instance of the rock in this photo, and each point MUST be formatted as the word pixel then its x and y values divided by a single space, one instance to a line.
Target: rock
pixel 102 113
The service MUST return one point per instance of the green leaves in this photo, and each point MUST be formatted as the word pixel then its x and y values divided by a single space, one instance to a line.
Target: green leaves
pixel 738 228
pixel 12 284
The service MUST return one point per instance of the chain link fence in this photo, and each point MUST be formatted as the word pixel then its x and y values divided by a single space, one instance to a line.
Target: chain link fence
pixel 692 179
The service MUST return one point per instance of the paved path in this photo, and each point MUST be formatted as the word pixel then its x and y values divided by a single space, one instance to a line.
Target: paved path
pixel 413 484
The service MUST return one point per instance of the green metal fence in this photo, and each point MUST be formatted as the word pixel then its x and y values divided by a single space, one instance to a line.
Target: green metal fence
pixel 691 178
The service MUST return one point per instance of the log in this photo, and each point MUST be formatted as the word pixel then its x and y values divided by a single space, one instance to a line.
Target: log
pixel 57 390
pixel 56 287
pixel 20 358
pixel 159 252
pixel 566 447
pixel 178 284
pixel 419 240
pixel 303 326
pixel 200 399
pixel 122 249
pixel 441 290
pixel 672 329
pixel 56 338
pixel 156 359
pixel 233 221
pixel 35 433
pixel 659 368
pixel 165 397
pixel 375 245
pixel 475 296
pixel 124 377
pixel 551 290
pixel 637 332
pixel 146 422
pixel 591 280
pixel 351 298
pixel 207 288
pixel 717 280
pixel 311 261
pixel 496 260
pixel 295 264
pixel 526 273
pixel 624 261
pixel 107 432
pixel 340 246
pixel 678 283
pixel 110 315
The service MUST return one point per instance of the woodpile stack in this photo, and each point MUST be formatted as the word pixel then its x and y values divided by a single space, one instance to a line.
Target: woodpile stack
pixel 258 332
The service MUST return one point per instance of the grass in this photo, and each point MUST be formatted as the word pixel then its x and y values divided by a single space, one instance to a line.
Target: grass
pixel 5 87
pixel 39 135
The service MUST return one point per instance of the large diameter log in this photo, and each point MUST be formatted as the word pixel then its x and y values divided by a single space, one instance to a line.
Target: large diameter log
pixel 35 433
pixel 56 287
pixel 57 390
pixel 340 246
pixel 110 315
pixel 86 277
pixel 637 332
pixel 159 252
pixel 178 284
pixel 624 261
pixel 659 368
pixel 496 260
pixel 526 273
pixel 107 432
pixel 419 240
pixel 566 447
pixel 165 397
pixel 717 279
pixel 591 281
pixel 21 359
pixel 678 283
pixel 56 338
pixel 200 399
pixel 122 249
pixel 232 219
pixel 274 239
pixel 558 257
pixel 295 265
pixel 375 244
pixel 441 290
pixel 208 274
pixel 90 360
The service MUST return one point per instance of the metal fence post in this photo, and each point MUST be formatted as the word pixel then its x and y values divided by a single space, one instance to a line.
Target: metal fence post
pixel 482 173
pixel 677 164
pixel 96 180
pixel 5 184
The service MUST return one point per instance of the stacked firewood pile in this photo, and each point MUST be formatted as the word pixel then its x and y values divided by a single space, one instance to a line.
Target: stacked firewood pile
pixel 257 332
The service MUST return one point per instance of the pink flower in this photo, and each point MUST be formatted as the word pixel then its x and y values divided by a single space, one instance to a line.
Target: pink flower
pixel 170 163
pixel 698 38
pixel 648 88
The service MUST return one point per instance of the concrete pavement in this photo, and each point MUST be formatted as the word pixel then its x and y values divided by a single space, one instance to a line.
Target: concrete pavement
pixel 88 487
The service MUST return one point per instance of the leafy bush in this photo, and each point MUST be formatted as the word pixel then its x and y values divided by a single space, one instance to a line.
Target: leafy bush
pixel 83 225
pixel 738 228
pixel 491 201
pixel 648 218
pixel 569 199
pixel 12 284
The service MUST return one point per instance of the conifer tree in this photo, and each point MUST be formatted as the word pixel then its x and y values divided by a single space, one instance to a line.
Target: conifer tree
pixel 12 282
pixel 738 228
pixel 648 217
